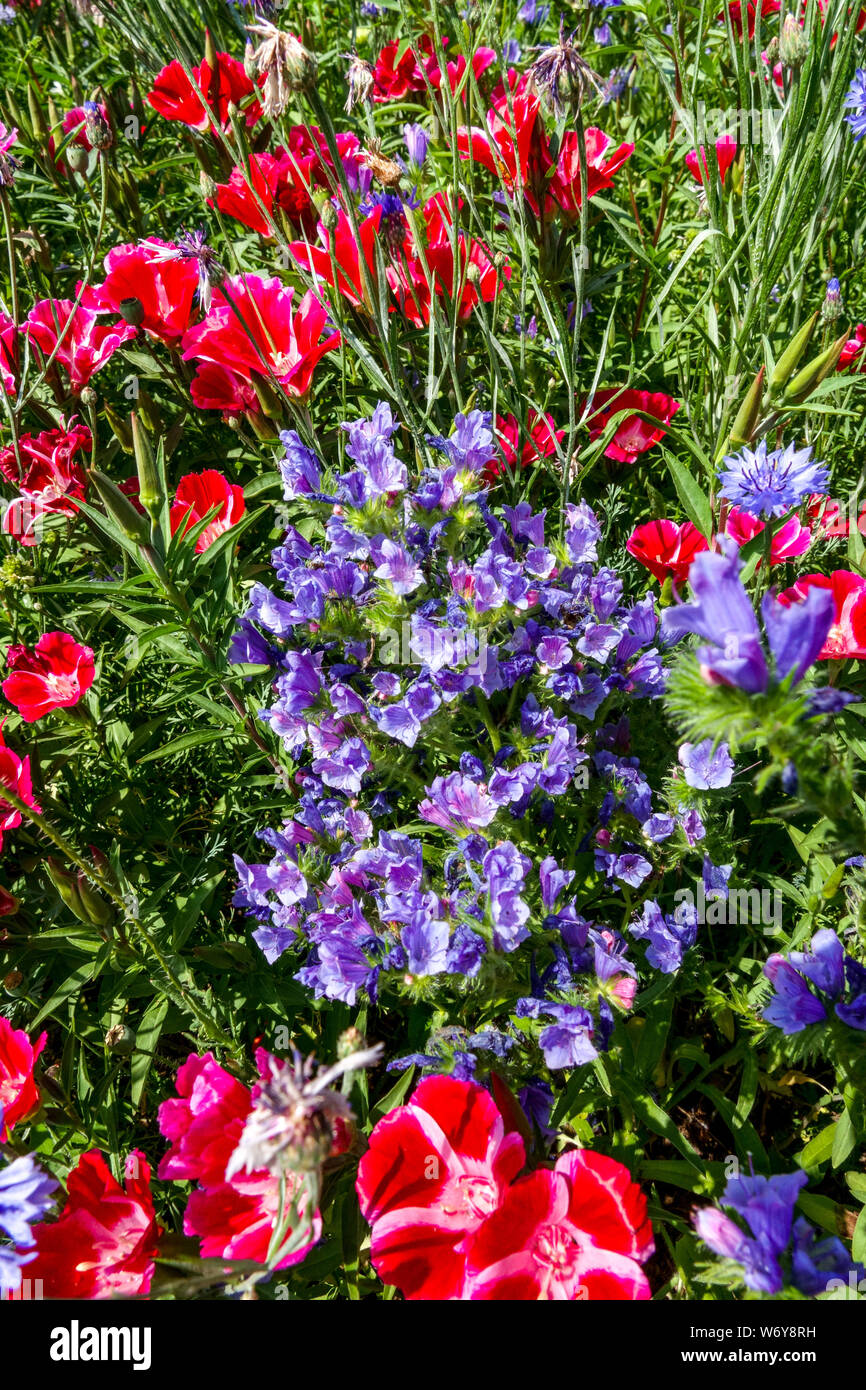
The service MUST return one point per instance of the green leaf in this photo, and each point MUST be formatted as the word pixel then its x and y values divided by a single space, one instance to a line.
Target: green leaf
pixel 694 500
pixel 146 1039
pixel 819 1149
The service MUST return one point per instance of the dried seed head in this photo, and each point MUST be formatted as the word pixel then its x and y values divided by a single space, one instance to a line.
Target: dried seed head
pixel 387 171
pixel 286 65
pixel 291 1125
pixel 359 79
pixel 562 76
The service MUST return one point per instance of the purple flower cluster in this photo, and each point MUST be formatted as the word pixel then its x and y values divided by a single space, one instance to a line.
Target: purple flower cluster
pixel 450 672
pixel 808 983
pixel 774 1250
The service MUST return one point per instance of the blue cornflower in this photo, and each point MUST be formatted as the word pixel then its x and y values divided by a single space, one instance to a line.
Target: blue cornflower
pixel 855 102
pixel 770 484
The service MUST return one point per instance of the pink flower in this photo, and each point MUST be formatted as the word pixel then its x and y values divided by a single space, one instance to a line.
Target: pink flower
pixel 847 635
pixel 236 1219
pixel 164 286
pixel 252 331
pixel 54 675
pixel 85 344
pixel 852 354
pixel 49 477
pixel 789 541
pixel 14 774
pixel 514 147
pixel 74 120
pixel 342 246
pixel 633 435
pixel 579 1231
pixel 435 1170
pixel 216 388
pixel 726 153
pixel 540 438
pixel 19 1094
pixel 8 366
pixel 197 495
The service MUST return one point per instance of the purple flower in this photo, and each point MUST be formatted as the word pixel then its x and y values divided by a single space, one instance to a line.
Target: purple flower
pixel 465 952
pixel 26 1196
pixel 505 869
pixel 815 1260
pixel 396 565
pixel 249 648
pixel 301 684
pixel 855 104
pixel 794 1006
pixel 669 937
pixel 706 767
pixel 471 445
pixel 379 470
pixel 771 484
pixel 458 804
pixel 416 140
pixel 425 941
pixel 766 1205
pixel 568 1041
pixel 269 611
pixel 722 613
pixel 300 470
pixel 554 881
pixel 345 768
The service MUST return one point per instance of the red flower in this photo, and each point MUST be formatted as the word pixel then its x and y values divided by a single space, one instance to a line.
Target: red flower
pixel 726 153
pixel 847 635
pixel 175 97
pixel 666 549
pixel 349 279
pixel 278 180
pixel 395 79
pixel 735 10
pixel 435 1170
pixel 515 149
pixel 8 368
pixel 49 473
pixel 234 1220
pixel 85 344
pixel 633 435
pixel 15 775
pixel 481 60
pixel 853 351
pixel 197 495
pixel 540 438
pixel 601 165
pixel 19 1094
pixel 165 286
pixel 251 331
pixel 104 1241
pixel 216 388
pixel 579 1231
pixel 55 674
pixel 790 540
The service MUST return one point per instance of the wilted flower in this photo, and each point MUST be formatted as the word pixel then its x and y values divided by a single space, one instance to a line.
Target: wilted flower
pixel 360 80
pixel 284 63
pixel 291 1124
pixel 562 75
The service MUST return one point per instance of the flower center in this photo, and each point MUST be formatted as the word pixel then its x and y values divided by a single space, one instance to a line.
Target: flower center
pixel 476 1196
pixel 556 1250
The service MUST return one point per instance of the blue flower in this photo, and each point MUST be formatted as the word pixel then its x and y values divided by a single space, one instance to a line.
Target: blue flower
pixel 26 1196
pixel 770 484
pixel 855 102
pixel 706 767
pixel 669 937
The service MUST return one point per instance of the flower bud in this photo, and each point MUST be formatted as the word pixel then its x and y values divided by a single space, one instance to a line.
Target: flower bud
pixel 96 127
pixel 790 358
pixel 793 44
pixel 131 311
pixel 120 1039
pixel 814 372
pixel 743 427
pixel 119 507
pixel 78 158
